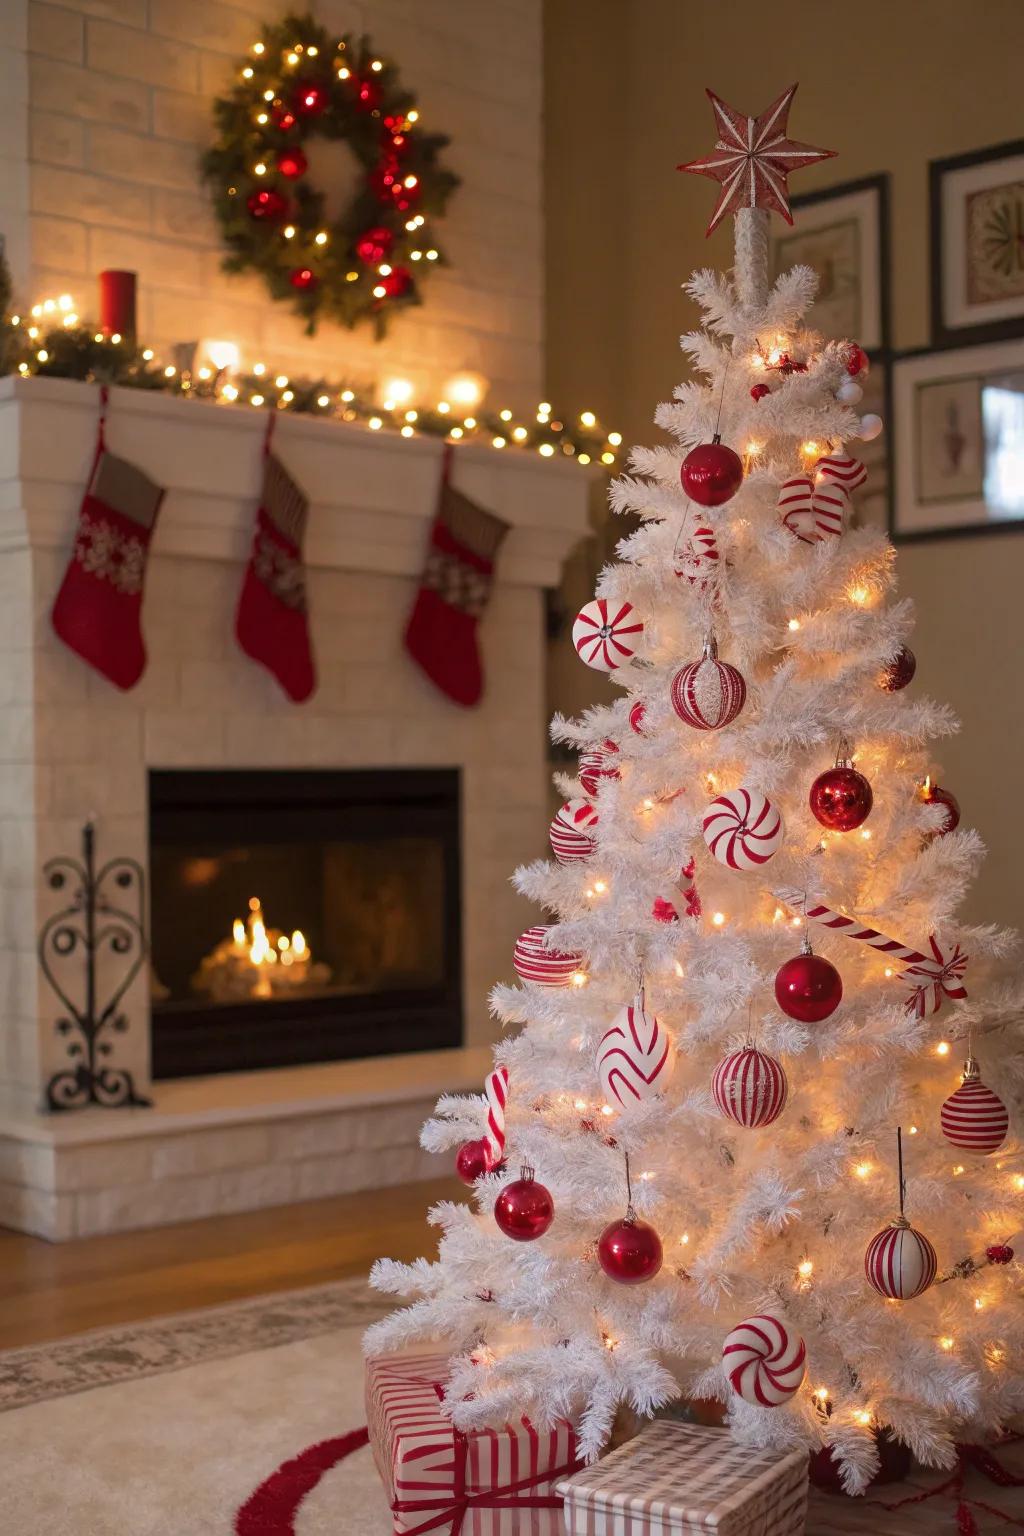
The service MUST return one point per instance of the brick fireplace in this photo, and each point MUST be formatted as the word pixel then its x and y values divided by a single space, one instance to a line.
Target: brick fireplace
pixel 73 748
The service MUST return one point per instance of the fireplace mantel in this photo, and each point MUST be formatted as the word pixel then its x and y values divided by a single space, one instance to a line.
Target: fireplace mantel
pixel 74 748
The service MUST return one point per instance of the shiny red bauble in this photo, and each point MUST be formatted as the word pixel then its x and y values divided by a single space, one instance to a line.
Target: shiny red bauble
pixel 310 100
pixel 367 94
pixel 397 282
pixel 473 1160
pixel 524 1210
pixel 292 163
pixel 284 117
pixel 857 360
pixel 374 244
pixel 268 205
pixel 629 1251
pixel 841 798
pixel 759 391
pixel 808 988
pixel 999 1253
pixel 899 672
pixel 303 278
pixel 711 473
pixel 934 794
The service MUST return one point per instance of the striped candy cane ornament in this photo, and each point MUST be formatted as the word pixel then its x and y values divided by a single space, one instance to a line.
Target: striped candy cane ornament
pixel 496 1090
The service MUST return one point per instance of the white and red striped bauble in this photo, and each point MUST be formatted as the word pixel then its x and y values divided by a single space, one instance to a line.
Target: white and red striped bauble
pixel 841 469
pixel 708 693
pixel 743 829
pixel 571 831
pixel 606 633
pixel 765 1360
pixel 813 511
pixel 900 1262
pixel 597 763
pixel 545 967
pixel 637 710
pixel 697 560
pixel 974 1118
pixel 635 1058
pixel 750 1087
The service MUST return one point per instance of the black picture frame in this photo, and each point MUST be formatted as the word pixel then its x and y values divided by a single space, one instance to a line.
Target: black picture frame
pixel 943 334
pixel 878 183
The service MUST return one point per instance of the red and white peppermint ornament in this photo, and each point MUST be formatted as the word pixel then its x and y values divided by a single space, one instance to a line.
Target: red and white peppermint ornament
pixel 571 831
pixel 697 559
pixel 637 710
pixel 708 693
pixel 974 1119
pixel 765 1360
pixel 813 511
pixel 841 469
pixel 597 763
pixel 496 1092
pixel 545 967
pixel 900 1262
pixel 750 1087
pixel 743 829
pixel 606 633
pixel 635 1058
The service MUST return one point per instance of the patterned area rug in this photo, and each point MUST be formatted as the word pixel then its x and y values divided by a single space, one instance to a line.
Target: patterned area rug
pixel 244 1421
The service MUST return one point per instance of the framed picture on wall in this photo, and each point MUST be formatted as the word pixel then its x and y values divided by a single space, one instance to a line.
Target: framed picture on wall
pixel 959 451
pixel 977 246
pixel 842 232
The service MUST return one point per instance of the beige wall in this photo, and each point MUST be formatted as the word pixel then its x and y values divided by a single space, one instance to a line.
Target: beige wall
pixel 889 86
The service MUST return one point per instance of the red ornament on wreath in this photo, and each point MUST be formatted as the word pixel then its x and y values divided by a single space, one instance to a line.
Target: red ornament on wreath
pixel 303 278
pixel 841 798
pixel 629 1250
pixel 898 672
pixel 808 988
pixel 974 1118
pixel 292 163
pixel 268 205
pixel 284 117
pixel 310 100
pixel 708 693
pixel 374 245
pixel 367 94
pixel 711 473
pixel 473 1160
pixel 934 794
pixel 396 282
pixel 524 1210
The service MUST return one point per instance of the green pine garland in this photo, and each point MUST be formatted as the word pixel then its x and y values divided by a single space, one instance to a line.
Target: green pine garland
pixel 298 83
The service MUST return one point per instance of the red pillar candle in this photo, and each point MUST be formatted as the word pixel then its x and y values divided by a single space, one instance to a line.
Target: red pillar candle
pixel 117 303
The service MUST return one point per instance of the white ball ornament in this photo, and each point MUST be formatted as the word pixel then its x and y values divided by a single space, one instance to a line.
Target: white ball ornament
pixel 606 633
pixel 849 392
pixel 765 1360
pixel 743 829
pixel 544 967
pixel 900 1262
pixel 871 426
pixel 708 693
pixel 635 1058
pixel 571 831
pixel 750 1087
pixel 974 1118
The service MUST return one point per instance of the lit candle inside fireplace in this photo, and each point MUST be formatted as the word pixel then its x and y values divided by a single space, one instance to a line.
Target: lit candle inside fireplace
pixel 259 962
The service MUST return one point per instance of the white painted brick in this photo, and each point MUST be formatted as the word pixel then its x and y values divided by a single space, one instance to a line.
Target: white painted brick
pixel 78 195
pixel 184 738
pixel 39 1212
pixel 202 1151
pixel 103 1164
pixel 88 93
pixel 177 116
pixel 135 157
pixel 55 32
pixel 155 260
pixel 56 140
pixel 125 51
pixel 63 238
pixel 132 12
pixel 204 24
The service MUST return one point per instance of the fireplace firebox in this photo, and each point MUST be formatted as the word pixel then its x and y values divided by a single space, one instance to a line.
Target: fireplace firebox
pixel 301 916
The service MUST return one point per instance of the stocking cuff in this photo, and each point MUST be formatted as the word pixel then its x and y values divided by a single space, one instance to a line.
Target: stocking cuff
pixel 283 502
pixel 476 532
pixel 126 490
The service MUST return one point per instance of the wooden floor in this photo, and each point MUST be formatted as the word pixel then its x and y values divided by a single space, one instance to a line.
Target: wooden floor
pixel 49 1290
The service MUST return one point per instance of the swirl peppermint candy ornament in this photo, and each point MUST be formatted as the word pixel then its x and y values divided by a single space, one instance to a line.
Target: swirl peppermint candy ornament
pixel 974 1119
pixel 765 1360
pixel 544 967
pixel 606 633
pixel 597 763
pixel 900 1262
pixel 750 1087
pixel 743 829
pixel 571 831
pixel 635 1058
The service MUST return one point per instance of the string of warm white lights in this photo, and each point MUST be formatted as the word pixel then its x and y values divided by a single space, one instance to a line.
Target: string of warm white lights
pixel 52 341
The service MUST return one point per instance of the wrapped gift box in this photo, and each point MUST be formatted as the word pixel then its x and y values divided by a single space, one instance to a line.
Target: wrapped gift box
pixel 492 1482
pixel 678 1479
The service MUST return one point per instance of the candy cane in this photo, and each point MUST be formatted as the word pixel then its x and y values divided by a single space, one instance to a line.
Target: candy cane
pixel 829 918
pixel 496 1089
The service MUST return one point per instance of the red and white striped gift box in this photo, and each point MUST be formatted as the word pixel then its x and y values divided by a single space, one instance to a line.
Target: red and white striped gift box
pixel 683 1479
pixel 493 1482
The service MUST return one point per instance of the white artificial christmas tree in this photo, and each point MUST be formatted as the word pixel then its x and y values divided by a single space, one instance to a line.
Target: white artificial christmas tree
pixel 693 869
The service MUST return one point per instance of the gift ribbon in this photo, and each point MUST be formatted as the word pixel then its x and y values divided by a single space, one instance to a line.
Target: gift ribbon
pixel 942 978
pixel 981 1460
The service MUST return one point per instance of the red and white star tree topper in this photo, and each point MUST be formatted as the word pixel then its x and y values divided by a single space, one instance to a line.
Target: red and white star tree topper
pixel 753 157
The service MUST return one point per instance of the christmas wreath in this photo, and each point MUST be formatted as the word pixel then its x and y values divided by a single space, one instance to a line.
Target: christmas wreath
pixel 299 82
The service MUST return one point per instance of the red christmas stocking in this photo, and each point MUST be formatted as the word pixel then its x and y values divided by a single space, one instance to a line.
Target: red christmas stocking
pixel 98 611
pixel 441 635
pixel 272 623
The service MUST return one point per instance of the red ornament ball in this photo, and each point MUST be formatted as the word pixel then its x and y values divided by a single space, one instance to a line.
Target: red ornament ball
pixel 292 163
pixel 267 204
pixel 934 794
pixel 473 1160
pixel 524 1210
pixel 899 672
pixel 303 278
pixel 711 473
pixel 309 100
pixel 808 988
pixel 375 244
pixel 857 360
pixel 629 1251
pixel 284 117
pixel 759 391
pixel 367 94
pixel 999 1253
pixel 397 282
pixel 841 798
